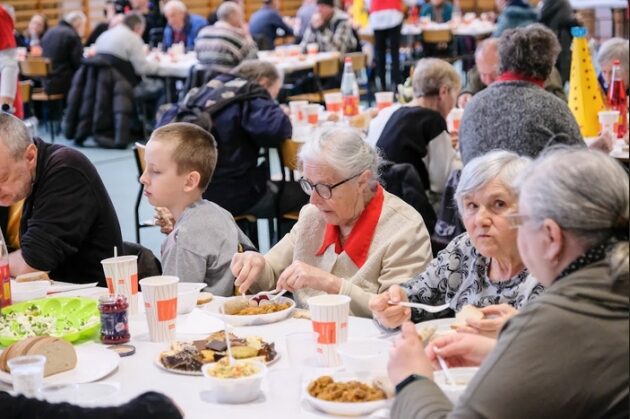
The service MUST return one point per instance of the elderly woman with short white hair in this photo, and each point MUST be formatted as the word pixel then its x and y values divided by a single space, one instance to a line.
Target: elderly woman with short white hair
pixel 481 267
pixel 611 50
pixel 565 355
pixel 354 238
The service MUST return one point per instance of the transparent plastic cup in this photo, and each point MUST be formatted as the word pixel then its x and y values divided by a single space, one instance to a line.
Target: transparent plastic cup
pixel 608 121
pixel 302 349
pixel 384 99
pixel 311 113
pixel 27 374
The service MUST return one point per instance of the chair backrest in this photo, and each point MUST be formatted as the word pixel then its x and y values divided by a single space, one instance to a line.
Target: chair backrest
pixel 467 5
pixel 138 153
pixel 485 5
pixel 289 151
pixel 327 68
pixel 25 88
pixel 359 60
pixel 435 36
pixel 35 67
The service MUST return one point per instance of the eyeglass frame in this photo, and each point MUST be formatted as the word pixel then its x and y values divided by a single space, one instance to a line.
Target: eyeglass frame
pixel 330 188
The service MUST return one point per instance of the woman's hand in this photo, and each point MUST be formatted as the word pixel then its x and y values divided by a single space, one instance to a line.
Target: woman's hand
pixel 246 267
pixel 164 219
pixel 300 275
pixel 389 315
pixel 495 317
pixel 407 356
pixel 603 143
pixel 460 349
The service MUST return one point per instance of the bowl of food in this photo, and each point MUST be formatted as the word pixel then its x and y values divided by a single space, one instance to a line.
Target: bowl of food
pixel 364 354
pixel 25 291
pixel 248 311
pixel 236 382
pixel 349 394
pixel 187 293
pixel 462 377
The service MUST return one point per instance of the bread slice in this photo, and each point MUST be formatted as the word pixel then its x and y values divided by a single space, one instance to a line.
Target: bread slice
pixel 60 355
pixel 204 298
pixel 468 311
pixel 33 276
pixel 17 349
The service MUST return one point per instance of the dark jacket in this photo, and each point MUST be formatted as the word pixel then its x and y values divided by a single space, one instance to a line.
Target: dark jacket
pixel 558 16
pixel 101 102
pixel 265 22
pixel 69 223
pixel 63 46
pixel 514 16
pixel 240 130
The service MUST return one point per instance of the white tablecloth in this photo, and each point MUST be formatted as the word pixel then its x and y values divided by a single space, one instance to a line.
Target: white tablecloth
pixel 476 28
pixel 593 4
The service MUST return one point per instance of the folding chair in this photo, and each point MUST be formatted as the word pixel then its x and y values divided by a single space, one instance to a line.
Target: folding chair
pixel 138 153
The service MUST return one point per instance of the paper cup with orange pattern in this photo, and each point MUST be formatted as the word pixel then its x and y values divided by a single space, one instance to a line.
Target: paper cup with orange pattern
pixel 160 303
pixel 121 275
pixel 329 316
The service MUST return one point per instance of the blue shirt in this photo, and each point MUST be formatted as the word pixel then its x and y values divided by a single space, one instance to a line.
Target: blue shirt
pixel 193 25
pixel 265 22
pixel 428 10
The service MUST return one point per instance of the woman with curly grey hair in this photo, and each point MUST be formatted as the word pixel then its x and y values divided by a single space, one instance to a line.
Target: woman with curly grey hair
pixel 565 355
pixel 354 238
pixel 515 113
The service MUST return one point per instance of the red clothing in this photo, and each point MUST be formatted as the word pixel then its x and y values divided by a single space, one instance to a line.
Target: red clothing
pixel 510 76
pixel 360 239
pixel 7 38
pixel 378 5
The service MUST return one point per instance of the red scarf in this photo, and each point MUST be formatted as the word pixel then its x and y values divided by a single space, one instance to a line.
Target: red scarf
pixel 511 76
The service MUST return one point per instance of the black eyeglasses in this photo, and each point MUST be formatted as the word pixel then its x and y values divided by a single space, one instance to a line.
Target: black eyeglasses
pixel 322 189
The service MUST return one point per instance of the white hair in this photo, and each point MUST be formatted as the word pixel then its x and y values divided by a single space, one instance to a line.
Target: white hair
pixel 14 135
pixel 431 74
pixel 74 17
pixel 585 192
pixel 226 9
pixel 614 49
pixel 502 166
pixel 344 150
pixel 175 5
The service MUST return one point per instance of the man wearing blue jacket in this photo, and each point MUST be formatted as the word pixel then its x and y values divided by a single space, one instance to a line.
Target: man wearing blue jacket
pixel 181 26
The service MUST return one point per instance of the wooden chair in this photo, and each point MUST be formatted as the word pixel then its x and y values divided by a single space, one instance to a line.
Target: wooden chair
pixel 138 153
pixel 323 69
pixel 438 43
pixel 25 88
pixel 288 152
pixel 486 6
pixel 38 68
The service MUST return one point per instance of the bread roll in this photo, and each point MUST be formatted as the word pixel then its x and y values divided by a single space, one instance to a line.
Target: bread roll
pixel 204 298
pixel 33 276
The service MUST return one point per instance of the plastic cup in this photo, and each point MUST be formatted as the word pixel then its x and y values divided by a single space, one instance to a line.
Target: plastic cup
pixel 121 275
pixel 301 349
pixel 296 108
pixel 160 303
pixel 311 113
pixel 312 48
pixel 456 115
pixel 329 315
pixel 608 121
pixel 285 391
pixel 27 374
pixel 384 99
pixel 334 102
pixel 21 53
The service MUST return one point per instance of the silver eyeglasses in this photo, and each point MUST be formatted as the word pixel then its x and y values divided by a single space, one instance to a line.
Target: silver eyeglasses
pixel 324 190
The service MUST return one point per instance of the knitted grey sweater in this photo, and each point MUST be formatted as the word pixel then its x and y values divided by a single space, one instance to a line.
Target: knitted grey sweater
pixel 516 116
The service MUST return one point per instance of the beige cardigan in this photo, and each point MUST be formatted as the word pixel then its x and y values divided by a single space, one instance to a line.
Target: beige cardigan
pixel 400 248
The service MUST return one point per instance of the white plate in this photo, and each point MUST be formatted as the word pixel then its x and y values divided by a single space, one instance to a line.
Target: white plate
pixel 254 320
pixel 161 366
pixel 85 395
pixel 94 361
pixel 442 326
pixel 347 409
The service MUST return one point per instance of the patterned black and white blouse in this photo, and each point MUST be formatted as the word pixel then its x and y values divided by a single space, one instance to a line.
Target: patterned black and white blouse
pixel 459 276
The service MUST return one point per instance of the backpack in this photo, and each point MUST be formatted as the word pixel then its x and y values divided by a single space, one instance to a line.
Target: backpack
pixel 200 103
pixel 355 34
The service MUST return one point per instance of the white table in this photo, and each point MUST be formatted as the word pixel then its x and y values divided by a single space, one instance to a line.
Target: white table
pixel 595 4
pixel 137 374
pixel 476 28
pixel 301 62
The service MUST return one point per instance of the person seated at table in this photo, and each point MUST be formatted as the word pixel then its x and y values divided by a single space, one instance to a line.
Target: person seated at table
pixel 331 29
pixel 304 15
pixel 62 45
pixel 486 72
pixel 148 405
pixel 181 26
pixel 113 16
pixel 353 238
pixel 265 23
pixel 549 361
pixel 417 133
pixel 225 44
pixel 515 113
pixel 37 27
pixel 609 51
pixel 513 14
pixel 180 160
pixel 481 266
pixel 68 222
pixel 153 18
pixel 439 11
pixel 212 16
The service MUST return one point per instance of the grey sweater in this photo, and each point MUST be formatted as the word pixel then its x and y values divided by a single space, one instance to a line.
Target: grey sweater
pixel 516 116
pixel 564 356
pixel 201 246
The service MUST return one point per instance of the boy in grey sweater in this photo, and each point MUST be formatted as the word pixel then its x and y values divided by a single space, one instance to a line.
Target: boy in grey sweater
pixel 180 160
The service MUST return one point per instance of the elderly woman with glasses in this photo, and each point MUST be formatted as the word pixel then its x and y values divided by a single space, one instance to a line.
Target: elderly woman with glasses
pixel 481 267
pixel 565 355
pixel 353 238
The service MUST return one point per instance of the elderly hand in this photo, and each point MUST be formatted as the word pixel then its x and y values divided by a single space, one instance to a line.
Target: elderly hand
pixel 407 356
pixel 495 317
pixel 389 315
pixel 246 267
pixel 463 99
pixel 460 349
pixel 300 275
pixel 164 219
pixel 603 143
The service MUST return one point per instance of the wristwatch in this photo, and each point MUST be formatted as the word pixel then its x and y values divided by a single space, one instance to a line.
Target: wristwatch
pixel 413 377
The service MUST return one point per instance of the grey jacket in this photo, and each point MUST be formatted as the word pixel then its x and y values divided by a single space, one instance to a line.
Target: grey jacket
pixel 564 356
pixel 516 116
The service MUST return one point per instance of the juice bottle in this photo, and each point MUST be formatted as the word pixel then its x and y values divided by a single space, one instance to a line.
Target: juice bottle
pixel 5 275
pixel 617 99
pixel 349 90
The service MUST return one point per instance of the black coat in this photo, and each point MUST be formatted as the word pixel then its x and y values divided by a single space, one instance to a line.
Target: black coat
pixel 63 46
pixel 100 103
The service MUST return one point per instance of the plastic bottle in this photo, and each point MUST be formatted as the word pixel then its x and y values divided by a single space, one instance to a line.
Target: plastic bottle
pixel 349 90
pixel 5 275
pixel 617 99
pixel 36 48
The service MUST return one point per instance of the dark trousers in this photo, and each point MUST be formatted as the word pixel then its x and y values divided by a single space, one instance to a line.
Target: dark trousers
pixel 380 51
